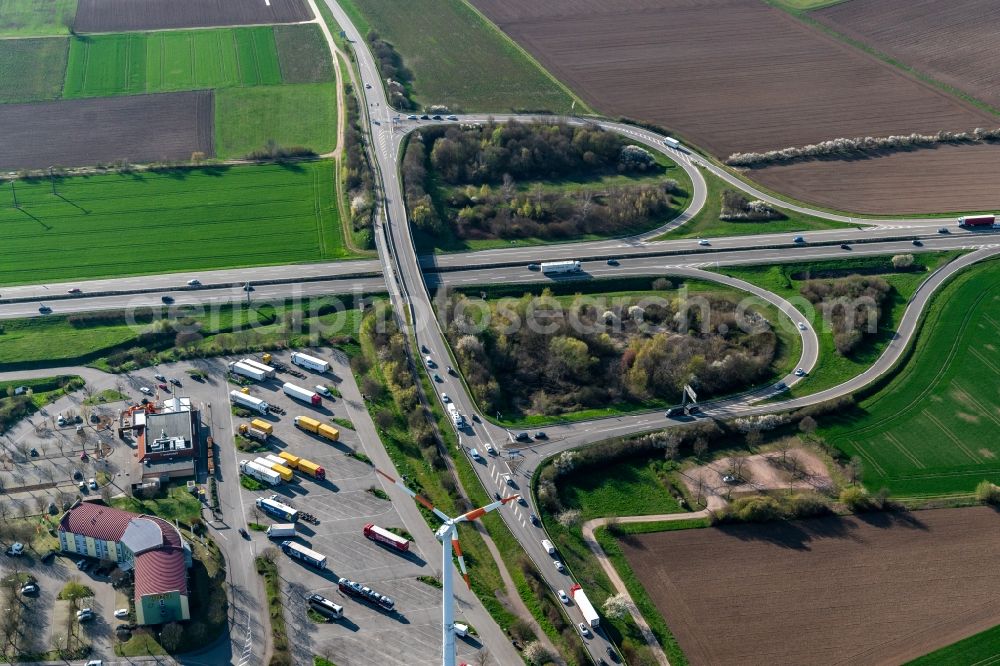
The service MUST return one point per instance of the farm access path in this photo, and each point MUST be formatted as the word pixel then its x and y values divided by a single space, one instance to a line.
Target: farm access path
pixel 715 503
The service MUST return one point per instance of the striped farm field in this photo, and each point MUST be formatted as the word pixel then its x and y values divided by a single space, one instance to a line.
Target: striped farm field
pixel 182 219
pixel 933 429
pixel 135 62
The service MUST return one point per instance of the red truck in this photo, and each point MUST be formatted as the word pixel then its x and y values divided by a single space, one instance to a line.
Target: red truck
pixel 977 221
pixel 376 533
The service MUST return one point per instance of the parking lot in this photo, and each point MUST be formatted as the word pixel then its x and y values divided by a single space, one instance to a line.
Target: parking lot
pixel 343 505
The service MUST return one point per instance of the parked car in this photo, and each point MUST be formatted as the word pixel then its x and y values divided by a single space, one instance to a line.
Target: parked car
pixel 323 391
pixel 29 588
pixel 34 453
pixel 175 382
pixel 93 484
pixel 85 615
pixel 163 387
pixel 121 612
pixel 145 390
pixel 159 377
pixel 16 549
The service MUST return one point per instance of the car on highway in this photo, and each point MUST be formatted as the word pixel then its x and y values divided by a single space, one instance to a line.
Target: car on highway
pixel 475 455
pixel 411 117
pixel 799 372
pixel 522 437
pixel 145 390
pixel 798 239
pixel 802 326
pixel 368 86
pixel 194 283
pixel 702 241
pixel 612 654
pixel 781 386
pixel 612 262
pixel 559 566
pixel 451 371
pixel 44 309
pixel 430 362
pixel 437 118
pixel 425 117
pixel 437 378
pixel 521 500
pixel 452 117
pixel 584 630
pixel 444 398
pixel 845 246
pixel 534 267
pixel 944 230
pixel 248 287
pixel 563 597
pixel 918 242
pixel 244 534
pixel 424 349
pixel 491 450
pixel 75 290
pixel 541 435
pixel 534 520
pixel 167 299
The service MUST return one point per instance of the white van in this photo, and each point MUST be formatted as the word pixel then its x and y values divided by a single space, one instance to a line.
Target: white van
pixel 461 630
pixel 549 548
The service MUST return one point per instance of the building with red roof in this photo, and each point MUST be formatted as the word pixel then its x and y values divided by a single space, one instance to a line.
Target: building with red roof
pixel 150 546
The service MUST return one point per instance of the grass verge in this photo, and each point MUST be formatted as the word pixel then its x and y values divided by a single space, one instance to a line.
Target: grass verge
pixel 982 648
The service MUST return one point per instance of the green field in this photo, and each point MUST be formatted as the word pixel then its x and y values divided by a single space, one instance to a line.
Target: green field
pixel 933 429
pixel 627 488
pixel 458 59
pixel 36 18
pixel 134 63
pixel 832 368
pixel 706 223
pixel 31 69
pixel 303 53
pixel 290 115
pixel 173 220
pixel 804 5
pixel 982 649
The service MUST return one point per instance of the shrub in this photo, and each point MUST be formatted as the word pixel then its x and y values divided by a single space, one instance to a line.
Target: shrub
pixel 902 261
pixel 987 493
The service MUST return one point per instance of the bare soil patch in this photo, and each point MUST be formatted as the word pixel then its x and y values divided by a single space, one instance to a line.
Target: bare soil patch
pixel 954 42
pixel 942 179
pixel 141 128
pixel 732 75
pixel 873 589
pixel 761 472
pixel 126 15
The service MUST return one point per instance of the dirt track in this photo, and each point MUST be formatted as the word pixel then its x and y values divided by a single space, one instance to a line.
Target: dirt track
pixel 125 15
pixel 954 42
pixel 882 589
pixel 140 128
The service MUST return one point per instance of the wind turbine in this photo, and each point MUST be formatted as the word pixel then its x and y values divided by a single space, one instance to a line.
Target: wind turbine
pixel 447 534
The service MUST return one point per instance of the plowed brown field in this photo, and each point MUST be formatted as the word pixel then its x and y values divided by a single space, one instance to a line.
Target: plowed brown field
pixel 126 15
pixel 944 179
pixel 954 42
pixel 882 589
pixel 80 132
pixel 739 75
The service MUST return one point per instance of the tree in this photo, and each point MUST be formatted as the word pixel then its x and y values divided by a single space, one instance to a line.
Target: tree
pixel 700 447
pixel 565 463
pixel 171 636
pixel 808 425
pixel 901 261
pixel 570 518
pixel 536 654
pixel 783 446
pixel 855 469
pixel 617 606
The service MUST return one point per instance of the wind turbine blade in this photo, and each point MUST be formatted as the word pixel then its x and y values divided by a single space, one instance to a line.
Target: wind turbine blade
pixel 481 511
pixel 461 558
pixel 420 498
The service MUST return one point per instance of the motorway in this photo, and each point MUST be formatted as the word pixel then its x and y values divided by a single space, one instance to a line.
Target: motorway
pixel 408 277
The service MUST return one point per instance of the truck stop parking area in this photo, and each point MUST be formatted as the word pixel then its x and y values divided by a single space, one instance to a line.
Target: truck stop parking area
pixel 342 503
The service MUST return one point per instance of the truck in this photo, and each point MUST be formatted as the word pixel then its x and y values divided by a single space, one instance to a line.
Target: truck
pixel 310 362
pixel 976 221
pixel 282 471
pixel 549 548
pixel 456 416
pixel 556 267
pixel 260 472
pixel 382 535
pixel 274 508
pixel 303 465
pixel 299 393
pixel 241 368
pixel 365 593
pixel 248 401
pixel 671 142
pixel 583 603
pixel 257 365
pixel 312 425
pixel 281 530
pixel 300 552
pixel 262 425
pixel 256 434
